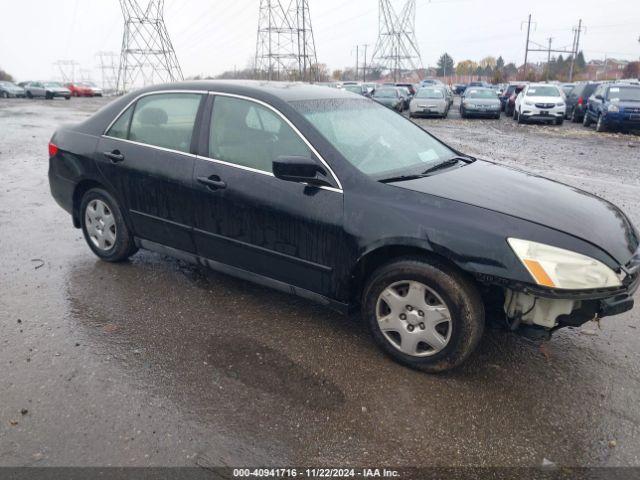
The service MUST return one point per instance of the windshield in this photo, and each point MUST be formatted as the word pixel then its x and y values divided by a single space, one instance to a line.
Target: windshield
pixel 389 146
pixel 624 94
pixel 52 84
pixel 385 93
pixel 543 91
pixel 476 93
pixel 429 93
pixel 353 88
pixel 6 84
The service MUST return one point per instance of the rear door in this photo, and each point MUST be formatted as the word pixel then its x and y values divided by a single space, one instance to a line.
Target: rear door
pixel 247 218
pixel 146 156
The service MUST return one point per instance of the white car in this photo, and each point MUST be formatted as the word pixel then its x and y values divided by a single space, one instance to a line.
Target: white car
pixel 540 102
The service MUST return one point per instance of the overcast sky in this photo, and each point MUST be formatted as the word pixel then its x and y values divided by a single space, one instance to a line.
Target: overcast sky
pixel 211 36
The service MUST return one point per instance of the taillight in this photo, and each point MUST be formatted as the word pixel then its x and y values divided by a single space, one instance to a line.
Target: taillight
pixel 53 149
pixel 580 101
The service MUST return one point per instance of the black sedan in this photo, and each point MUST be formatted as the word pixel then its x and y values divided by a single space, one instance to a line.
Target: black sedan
pixel 480 102
pixel 327 195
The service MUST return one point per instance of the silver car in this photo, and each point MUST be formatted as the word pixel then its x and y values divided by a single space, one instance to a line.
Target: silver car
pixel 430 101
pixel 47 90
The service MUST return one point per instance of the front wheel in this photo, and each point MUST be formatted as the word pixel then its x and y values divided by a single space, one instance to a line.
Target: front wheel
pixel 600 125
pixel 423 314
pixel 559 121
pixel 104 228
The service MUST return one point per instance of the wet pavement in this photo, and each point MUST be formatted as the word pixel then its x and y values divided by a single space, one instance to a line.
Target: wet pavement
pixel 156 362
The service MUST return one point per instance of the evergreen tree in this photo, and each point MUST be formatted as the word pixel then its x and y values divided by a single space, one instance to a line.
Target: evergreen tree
pixel 445 65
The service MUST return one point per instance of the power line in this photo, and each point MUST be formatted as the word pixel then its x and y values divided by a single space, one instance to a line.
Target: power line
pixel 147 55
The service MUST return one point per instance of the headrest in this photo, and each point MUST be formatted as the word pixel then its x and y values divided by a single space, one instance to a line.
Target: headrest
pixel 153 116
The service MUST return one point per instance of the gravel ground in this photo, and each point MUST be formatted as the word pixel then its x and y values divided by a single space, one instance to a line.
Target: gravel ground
pixel 157 363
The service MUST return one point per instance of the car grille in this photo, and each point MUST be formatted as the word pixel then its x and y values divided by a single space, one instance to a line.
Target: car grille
pixel 545 105
pixel 632 110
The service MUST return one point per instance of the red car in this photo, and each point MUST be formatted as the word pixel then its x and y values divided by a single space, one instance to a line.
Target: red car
pixel 79 89
pixel 510 105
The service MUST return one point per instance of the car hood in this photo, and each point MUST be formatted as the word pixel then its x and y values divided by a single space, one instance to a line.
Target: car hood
pixel 544 99
pixel 428 101
pixel 535 199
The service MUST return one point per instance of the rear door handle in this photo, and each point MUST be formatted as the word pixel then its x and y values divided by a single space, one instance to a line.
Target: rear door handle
pixel 213 182
pixel 115 156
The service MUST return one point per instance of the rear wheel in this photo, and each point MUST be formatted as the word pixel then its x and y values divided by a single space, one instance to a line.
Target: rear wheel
pixel 423 314
pixel 104 228
pixel 29 94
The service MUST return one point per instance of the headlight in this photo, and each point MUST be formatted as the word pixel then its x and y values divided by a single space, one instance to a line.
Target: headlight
pixel 557 268
pixel 613 108
pixel 560 104
pixel 529 104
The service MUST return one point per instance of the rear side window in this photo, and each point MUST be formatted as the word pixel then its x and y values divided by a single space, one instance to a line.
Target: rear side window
pixel 163 120
pixel 247 134
pixel 120 129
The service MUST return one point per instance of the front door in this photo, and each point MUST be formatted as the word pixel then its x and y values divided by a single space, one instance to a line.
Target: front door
pixel 146 158
pixel 247 218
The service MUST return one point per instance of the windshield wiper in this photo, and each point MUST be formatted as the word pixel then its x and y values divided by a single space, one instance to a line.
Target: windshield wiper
pixel 403 178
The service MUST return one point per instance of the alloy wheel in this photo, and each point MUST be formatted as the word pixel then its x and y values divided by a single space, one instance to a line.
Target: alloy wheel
pixel 414 319
pixel 101 225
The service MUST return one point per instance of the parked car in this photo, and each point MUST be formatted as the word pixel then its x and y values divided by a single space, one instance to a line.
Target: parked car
pixel 510 106
pixel 459 88
pixel 390 97
pixel 359 89
pixel 480 102
pixel 429 101
pixel 48 90
pixel 540 102
pixel 614 107
pixel 11 90
pixel 506 95
pixel 97 91
pixel 448 93
pixel 567 88
pixel 428 82
pixel 407 95
pixel 577 100
pixel 79 89
pixel 336 199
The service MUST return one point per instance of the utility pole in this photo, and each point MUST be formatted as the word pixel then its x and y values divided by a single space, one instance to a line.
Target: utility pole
pixel 147 53
pixel 550 39
pixel 364 70
pixel 397 49
pixel 576 49
pixel 526 52
pixel 357 62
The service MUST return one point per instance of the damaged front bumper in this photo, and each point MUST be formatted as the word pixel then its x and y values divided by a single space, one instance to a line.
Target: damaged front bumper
pixel 528 305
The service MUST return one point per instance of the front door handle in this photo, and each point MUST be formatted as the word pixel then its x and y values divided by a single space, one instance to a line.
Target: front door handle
pixel 115 156
pixel 213 182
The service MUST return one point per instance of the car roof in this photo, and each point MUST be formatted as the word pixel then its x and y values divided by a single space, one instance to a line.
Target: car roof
pixel 284 91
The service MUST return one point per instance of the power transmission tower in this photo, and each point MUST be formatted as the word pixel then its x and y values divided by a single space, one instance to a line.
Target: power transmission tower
pixel 285 46
pixel 397 46
pixel 147 56
pixel 108 70
pixel 67 70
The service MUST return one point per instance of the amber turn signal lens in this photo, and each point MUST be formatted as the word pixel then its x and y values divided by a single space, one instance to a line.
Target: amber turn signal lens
pixel 538 272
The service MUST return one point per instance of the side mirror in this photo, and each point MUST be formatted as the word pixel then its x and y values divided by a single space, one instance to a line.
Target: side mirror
pixel 599 97
pixel 300 169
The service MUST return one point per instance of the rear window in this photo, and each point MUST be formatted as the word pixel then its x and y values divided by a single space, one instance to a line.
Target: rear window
pixel 164 120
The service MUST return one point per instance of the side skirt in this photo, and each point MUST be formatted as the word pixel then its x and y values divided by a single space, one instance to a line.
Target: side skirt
pixel 343 308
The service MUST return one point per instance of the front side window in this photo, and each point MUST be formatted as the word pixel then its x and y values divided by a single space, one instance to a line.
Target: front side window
pixel 247 134
pixel 162 120
pixel 390 145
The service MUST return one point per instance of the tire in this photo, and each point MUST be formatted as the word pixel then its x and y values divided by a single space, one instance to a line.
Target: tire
pixel 462 113
pixel 115 247
pixel 460 327
pixel 586 120
pixel 600 126
pixel 573 117
pixel 559 121
pixel 67 98
pixel 29 94
pixel 48 96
